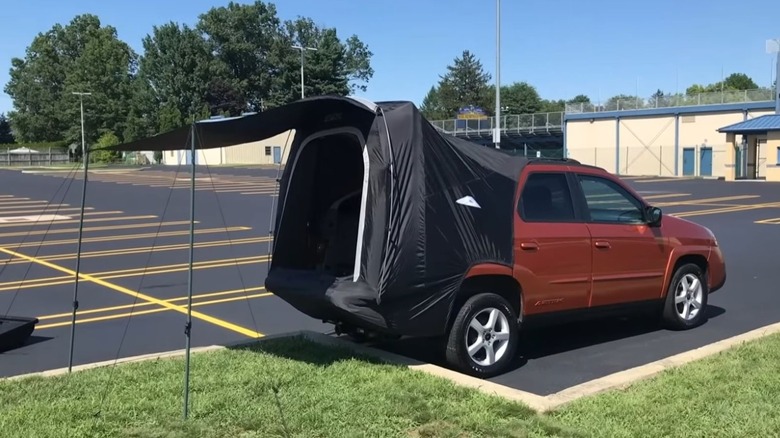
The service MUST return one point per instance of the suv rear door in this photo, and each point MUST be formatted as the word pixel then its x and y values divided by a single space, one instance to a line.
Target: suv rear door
pixel 551 243
pixel 629 257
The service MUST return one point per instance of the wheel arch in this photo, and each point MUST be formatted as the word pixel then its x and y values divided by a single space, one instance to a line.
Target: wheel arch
pixel 490 278
pixel 696 258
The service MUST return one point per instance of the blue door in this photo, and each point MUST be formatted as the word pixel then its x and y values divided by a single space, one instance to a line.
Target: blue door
pixel 738 162
pixel 689 162
pixel 277 155
pixel 705 161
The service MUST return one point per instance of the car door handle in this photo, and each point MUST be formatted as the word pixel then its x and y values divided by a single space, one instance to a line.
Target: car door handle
pixel 602 244
pixel 529 246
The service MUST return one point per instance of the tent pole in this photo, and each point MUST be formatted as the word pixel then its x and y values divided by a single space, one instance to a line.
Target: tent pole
pixel 188 326
pixel 85 158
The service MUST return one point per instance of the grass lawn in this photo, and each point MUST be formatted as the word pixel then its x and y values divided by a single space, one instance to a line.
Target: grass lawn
pixel 295 388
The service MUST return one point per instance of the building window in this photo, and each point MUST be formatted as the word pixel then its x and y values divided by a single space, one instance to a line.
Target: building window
pixel 268 151
pixel 778 156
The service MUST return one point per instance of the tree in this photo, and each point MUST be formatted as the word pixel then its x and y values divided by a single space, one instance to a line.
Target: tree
pixel 177 71
pixel 519 98
pixel 6 134
pixel 256 47
pixel 431 106
pixel 733 82
pixel 464 84
pixel 83 55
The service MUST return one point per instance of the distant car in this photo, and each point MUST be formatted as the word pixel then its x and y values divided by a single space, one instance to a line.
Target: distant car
pixel 387 227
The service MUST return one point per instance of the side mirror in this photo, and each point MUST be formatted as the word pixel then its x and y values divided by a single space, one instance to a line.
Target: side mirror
pixel 653 216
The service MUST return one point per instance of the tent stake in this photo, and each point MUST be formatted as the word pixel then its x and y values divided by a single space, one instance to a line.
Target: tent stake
pixel 78 263
pixel 188 326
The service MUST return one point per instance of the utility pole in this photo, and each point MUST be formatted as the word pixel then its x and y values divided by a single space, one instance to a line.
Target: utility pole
pixel 773 47
pixel 302 49
pixel 83 142
pixel 497 120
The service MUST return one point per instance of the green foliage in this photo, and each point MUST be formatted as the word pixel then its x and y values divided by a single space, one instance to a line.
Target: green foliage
pixel 733 82
pixel 103 156
pixel 82 56
pixel 6 134
pixel 236 58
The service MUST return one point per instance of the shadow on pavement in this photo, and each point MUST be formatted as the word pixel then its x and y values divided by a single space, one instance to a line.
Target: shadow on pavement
pixel 543 342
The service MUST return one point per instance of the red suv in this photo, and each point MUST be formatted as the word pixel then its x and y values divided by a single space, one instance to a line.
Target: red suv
pixel 585 244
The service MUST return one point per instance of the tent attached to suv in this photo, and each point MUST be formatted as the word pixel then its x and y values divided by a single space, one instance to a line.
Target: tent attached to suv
pixel 380 215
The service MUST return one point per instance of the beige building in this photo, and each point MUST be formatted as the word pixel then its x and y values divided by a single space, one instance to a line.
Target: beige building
pixel 676 141
pixel 756 148
pixel 270 151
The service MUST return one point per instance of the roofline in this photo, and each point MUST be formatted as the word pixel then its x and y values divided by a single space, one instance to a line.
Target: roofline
pixel 672 111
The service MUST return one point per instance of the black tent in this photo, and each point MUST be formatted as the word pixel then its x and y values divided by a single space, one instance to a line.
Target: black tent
pixel 380 215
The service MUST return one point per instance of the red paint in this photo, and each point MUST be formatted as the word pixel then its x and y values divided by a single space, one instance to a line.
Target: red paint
pixel 577 264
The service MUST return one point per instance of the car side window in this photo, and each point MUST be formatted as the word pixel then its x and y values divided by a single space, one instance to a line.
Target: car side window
pixel 608 202
pixel 546 198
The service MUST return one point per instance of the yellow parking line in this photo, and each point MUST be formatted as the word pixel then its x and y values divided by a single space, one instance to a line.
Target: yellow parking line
pixel 145 249
pixel 147 304
pixel 26 204
pixel 149 311
pixel 118 237
pixel 87 277
pixel 725 210
pixel 647 180
pixel 89 229
pixel 707 200
pixel 75 221
pixel 133 272
pixel 668 195
pixel 47 210
pixel 773 221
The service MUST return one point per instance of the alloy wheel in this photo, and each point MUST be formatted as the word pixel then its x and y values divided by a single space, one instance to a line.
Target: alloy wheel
pixel 689 297
pixel 487 337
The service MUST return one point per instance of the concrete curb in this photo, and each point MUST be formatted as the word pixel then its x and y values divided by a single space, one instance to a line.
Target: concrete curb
pixel 539 403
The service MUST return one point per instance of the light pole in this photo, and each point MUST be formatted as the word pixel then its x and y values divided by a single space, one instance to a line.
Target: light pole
pixel 773 46
pixel 302 49
pixel 83 143
pixel 497 120
pixel 84 165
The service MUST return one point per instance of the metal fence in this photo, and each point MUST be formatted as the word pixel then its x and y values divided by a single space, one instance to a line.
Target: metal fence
pixel 509 123
pixel 674 100
pixel 48 157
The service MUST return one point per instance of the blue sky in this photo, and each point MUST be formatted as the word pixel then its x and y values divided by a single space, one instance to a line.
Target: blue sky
pixel 597 47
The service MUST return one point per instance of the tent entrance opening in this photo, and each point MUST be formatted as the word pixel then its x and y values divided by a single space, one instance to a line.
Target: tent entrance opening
pixel 323 204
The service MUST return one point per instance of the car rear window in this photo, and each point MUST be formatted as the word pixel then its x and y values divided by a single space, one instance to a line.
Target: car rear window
pixel 546 198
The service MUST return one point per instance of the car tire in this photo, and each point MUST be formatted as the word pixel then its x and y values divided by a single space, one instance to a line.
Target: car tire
pixel 685 306
pixel 498 334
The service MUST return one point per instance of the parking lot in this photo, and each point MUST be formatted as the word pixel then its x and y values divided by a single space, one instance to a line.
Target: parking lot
pixel 134 262
pixel 132 294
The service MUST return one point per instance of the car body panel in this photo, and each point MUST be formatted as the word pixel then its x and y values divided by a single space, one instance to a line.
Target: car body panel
pixel 567 267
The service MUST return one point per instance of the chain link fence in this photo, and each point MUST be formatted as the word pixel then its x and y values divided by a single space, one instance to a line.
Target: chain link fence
pixel 674 100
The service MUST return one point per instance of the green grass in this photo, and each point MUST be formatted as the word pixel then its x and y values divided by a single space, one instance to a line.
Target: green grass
pixel 296 388
pixel 289 388
pixel 732 394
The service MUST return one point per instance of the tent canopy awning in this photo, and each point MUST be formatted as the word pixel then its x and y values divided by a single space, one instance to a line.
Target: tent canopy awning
pixel 758 125
pixel 216 133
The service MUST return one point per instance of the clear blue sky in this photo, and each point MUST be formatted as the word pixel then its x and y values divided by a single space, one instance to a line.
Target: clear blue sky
pixel 597 47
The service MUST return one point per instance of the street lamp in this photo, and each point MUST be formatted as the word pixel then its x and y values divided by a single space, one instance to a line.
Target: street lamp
pixel 83 143
pixel 302 49
pixel 497 123
pixel 773 46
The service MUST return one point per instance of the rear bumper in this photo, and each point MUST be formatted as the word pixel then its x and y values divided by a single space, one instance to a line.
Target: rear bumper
pixel 716 270
pixel 327 298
